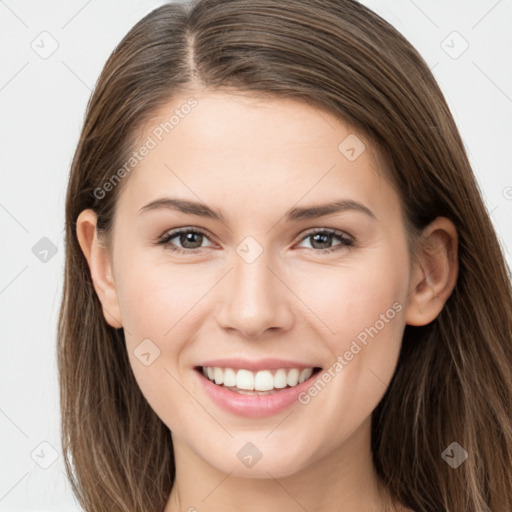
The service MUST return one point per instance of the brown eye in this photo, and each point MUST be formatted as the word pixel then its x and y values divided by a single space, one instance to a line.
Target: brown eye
pixel 190 240
pixel 323 239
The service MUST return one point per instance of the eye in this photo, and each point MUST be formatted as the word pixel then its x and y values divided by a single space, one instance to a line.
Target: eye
pixel 192 240
pixel 322 238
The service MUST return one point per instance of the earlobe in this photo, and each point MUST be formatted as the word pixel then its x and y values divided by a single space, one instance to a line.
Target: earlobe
pixel 100 266
pixel 434 272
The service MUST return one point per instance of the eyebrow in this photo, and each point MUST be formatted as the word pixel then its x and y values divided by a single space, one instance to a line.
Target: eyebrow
pixel 293 215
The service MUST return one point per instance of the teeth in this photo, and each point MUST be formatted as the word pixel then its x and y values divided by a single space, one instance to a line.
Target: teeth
pixel 293 377
pixel 305 374
pixel 280 379
pixel 263 380
pixel 218 375
pixel 244 379
pixel 229 377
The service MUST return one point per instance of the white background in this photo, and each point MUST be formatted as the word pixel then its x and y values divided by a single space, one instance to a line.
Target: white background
pixel 42 104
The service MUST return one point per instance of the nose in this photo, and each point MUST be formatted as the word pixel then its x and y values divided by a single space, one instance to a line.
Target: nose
pixel 254 299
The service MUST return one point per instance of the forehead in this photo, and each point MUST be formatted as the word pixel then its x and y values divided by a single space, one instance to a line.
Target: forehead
pixel 273 127
pixel 245 149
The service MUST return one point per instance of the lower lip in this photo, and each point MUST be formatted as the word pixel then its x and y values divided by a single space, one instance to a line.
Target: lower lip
pixel 254 406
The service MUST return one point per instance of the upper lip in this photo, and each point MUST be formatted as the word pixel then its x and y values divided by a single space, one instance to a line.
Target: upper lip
pixel 256 364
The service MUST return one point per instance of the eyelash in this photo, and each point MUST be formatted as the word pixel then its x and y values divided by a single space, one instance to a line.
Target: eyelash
pixel 166 238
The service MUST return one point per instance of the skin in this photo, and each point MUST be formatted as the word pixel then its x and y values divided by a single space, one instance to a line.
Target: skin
pixel 254 159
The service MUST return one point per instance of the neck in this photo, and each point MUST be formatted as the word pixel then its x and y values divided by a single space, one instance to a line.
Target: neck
pixel 343 480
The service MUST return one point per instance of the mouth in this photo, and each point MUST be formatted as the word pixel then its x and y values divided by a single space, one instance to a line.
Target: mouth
pixel 257 382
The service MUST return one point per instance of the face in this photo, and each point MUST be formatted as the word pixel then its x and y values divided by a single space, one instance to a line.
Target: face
pixel 259 281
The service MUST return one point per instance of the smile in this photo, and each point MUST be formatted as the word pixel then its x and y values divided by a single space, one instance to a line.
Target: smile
pixel 266 389
pixel 257 382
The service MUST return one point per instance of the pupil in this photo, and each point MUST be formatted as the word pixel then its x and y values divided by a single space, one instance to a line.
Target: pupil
pixel 187 238
pixel 318 238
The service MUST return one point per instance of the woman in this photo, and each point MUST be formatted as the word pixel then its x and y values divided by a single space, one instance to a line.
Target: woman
pixel 282 288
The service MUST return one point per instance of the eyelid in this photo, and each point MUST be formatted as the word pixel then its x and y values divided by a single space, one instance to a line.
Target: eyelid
pixel 172 233
pixel 330 231
pixel 342 235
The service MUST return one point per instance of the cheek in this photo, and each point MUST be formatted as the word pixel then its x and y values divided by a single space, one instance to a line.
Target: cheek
pixel 159 303
pixel 154 298
pixel 363 310
pixel 347 299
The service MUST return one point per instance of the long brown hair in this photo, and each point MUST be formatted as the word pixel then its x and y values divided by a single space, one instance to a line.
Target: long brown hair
pixel 453 381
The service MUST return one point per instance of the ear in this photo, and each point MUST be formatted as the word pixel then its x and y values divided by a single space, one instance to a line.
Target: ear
pixel 434 272
pixel 100 265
